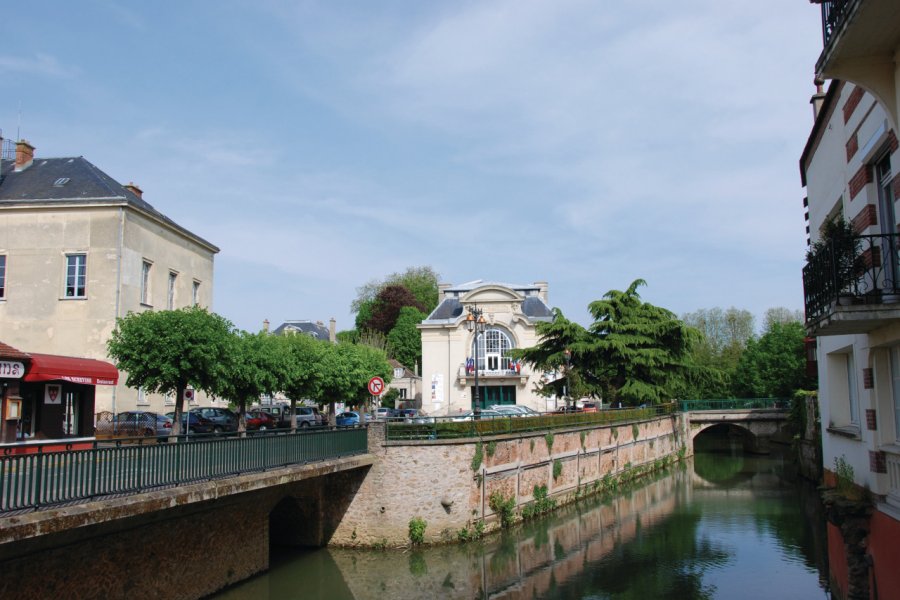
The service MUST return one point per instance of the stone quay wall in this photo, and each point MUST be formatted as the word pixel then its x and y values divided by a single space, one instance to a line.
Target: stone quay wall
pixel 443 482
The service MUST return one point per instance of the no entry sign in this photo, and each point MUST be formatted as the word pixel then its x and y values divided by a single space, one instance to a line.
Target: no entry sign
pixel 376 386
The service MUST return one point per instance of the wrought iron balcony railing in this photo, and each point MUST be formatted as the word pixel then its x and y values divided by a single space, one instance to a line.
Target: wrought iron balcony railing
pixel 864 271
pixel 833 13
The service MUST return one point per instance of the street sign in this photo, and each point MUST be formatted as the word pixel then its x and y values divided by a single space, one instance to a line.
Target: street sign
pixel 376 386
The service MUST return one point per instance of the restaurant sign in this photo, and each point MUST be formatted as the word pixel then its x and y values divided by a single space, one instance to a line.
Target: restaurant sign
pixel 11 369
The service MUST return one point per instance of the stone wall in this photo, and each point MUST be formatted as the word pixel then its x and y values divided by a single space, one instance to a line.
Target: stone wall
pixel 442 482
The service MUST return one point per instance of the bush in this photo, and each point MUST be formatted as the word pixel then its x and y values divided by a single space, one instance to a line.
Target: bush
pixel 504 507
pixel 417 527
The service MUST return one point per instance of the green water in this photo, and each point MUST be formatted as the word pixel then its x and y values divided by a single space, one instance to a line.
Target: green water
pixel 724 525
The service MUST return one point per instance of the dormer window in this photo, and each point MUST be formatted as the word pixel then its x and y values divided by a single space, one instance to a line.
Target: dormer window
pixel 398 372
pixel 61 182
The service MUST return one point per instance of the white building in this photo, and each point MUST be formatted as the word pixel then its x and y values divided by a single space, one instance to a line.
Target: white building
pixel 449 353
pixel 78 250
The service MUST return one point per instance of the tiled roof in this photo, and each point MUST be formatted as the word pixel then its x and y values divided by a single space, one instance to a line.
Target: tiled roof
pixel 7 351
pixel 72 180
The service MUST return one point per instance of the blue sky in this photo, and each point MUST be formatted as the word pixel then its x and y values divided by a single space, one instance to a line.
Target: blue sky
pixel 324 144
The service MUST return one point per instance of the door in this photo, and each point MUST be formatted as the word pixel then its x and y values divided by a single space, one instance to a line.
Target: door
pixel 71 413
pixel 887 222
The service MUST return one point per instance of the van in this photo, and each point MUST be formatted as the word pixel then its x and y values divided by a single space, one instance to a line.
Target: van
pixel 307 416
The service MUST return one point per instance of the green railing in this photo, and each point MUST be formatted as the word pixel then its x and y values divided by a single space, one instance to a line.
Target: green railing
pixel 29 481
pixel 442 428
pixel 735 404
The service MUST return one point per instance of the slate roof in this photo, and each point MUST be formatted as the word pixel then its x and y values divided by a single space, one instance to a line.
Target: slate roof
pixel 315 330
pixel 73 180
pixel 451 308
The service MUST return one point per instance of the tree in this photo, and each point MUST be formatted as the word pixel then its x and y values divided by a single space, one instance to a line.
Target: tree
pixel 637 351
pixel 386 307
pixel 723 337
pixel 549 354
pixel 422 282
pixel 345 373
pixel 774 365
pixel 781 315
pixel 305 369
pixel 166 351
pixel 257 364
pixel 405 339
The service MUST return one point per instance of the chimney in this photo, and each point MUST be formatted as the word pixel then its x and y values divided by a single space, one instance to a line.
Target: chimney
pixel 332 331
pixel 24 155
pixel 265 326
pixel 442 287
pixel 818 98
pixel 134 189
pixel 543 292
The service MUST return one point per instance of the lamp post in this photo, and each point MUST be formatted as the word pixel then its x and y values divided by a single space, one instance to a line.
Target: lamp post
pixel 475 323
pixel 568 388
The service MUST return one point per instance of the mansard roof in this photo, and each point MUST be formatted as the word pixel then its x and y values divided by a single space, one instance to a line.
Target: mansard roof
pixel 452 306
pixel 316 330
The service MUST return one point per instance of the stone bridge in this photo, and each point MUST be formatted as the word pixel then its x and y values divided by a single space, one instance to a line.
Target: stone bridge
pixel 758 426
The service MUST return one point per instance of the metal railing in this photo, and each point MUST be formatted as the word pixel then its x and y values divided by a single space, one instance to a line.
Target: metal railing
pixel 442 428
pixel 735 404
pixel 833 14
pixel 865 270
pixel 42 478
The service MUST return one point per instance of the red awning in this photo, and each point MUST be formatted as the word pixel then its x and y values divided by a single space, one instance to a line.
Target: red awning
pixel 49 367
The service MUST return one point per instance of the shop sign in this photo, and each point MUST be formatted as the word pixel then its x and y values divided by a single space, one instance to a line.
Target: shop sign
pixel 11 369
pixel 52 393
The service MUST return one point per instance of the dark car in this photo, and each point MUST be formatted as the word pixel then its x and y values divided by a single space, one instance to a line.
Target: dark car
pixel 141 423
pixel 222 419
pixel 198 423
pixel 568 409
pixel 260 420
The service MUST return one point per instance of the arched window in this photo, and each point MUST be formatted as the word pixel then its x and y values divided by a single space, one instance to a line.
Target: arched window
pixel 493 350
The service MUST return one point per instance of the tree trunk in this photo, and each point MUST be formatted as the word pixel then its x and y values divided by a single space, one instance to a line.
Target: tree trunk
pixel 179 410
pixel 242 418
pixel 293 415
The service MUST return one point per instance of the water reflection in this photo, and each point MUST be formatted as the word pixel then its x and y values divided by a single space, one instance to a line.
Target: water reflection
pixel 726 526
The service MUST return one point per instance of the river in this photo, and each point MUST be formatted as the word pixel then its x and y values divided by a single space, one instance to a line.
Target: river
pixel 723 525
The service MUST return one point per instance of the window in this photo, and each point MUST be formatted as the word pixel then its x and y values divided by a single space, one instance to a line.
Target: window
pixel 403 393
pixel 170 297
pixel 145 281
pixel 195 293
pixel 142 397
pixel 76 275
pixel 493 350
pixel 851 391
pixel 2 276
pixel 895 380
pixel 398 372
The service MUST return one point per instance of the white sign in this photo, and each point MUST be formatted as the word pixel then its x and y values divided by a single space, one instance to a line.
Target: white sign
pixel 52 393
pixel 376 386
pixel 437 389
pixel 11 369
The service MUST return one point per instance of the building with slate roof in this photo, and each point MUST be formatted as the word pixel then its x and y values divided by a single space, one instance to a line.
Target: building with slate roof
pixel 315 329
pixel 448 350
pixel 77 250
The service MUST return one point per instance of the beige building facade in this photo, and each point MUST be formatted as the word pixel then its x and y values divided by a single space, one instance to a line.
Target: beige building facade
pixel 78 250
pixel 449 363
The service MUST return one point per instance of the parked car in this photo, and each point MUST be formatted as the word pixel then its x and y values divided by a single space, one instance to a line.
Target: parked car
pixel 347 419
pixel 141 423
pixel 522 411
pixel 260 420
pixel 590 407
pixel 222 419
pixel 383 413
pixel 568 409
pixel 198 424
pixel 307 416
pixel 485 414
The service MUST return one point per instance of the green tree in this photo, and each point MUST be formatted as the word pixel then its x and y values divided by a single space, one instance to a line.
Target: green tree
pixel 637 351
pixel 421 281
pixel 304 369
pixel 167 351
pixel 345 373
pixel 405 340
pixel 257 364
pixel 774 365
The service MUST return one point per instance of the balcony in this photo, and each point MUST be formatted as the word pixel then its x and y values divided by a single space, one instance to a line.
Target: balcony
pixel 852 285
pixel 508 373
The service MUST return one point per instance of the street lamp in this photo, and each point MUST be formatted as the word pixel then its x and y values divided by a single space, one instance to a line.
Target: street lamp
pixel 475 323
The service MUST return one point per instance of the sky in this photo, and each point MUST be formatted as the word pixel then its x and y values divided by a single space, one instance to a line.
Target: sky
pixel 321 145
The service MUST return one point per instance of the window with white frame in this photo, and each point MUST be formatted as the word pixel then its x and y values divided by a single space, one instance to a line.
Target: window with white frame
pixel 195 293
pixel 76 275
pixel 398 372
pixel 2 276
pixel 146 267
pixel 142 399
pixel 170 295
pixel 852 395
pixel 493 350
pixel 895 389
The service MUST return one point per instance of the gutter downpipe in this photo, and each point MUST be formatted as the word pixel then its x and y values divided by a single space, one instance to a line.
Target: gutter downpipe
pixel 119 250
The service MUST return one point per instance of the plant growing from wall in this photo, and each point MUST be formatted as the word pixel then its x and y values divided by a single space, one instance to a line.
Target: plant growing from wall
pixel 843 473
pixel 635 431
pixel 504 507
pixel 417 527
pixel 615 433
pixel 532 445
pixel 541 504
pixel 477 458
pixel 549 439
pixel 557 469
pixel 491 448
pixel 582 435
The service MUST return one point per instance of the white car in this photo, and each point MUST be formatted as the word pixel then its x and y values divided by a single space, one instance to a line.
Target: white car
pixel 515 410
pixel 485 414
